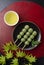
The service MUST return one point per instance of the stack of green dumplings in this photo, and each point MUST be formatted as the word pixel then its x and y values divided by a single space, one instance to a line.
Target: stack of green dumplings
pixel 26 36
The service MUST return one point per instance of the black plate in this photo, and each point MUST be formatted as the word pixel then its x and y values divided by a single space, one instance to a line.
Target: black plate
pixel 19 27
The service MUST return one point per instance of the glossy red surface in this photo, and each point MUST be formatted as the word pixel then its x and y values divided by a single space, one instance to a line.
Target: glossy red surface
pixel 28 11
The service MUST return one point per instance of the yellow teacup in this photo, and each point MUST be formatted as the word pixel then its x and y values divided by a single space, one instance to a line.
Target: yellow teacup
pixel 11 18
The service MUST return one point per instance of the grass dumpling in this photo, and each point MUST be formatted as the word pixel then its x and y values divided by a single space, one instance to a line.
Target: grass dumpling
pixel 25 36
pixel 21 33
pixel 29 40
pixel 30 30
pixel 26 27
pixel 24 30
pixel 26 43
pixel 22 40
pixel 31 37
pixel 19 36
pixel 34 33
pixel 27 33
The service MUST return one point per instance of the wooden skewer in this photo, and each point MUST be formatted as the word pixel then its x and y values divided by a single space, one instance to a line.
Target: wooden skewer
pixel 19 44
pixel 23 47
pixel 16 40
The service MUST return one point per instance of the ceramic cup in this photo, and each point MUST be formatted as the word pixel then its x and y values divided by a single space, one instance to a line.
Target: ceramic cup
pixel 11 18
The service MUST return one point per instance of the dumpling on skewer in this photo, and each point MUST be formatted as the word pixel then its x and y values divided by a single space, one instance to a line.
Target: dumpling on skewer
pixel 30 30
pixel 25 44
pixel 18 37
pixel 22 32
pixel 26 27
pixel 34 33
pixel 29 39
pixel 27 33
pixel 25 36
pixel 22 40
pixel 32 37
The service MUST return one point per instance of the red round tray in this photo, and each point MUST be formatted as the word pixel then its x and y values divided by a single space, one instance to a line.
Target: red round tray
pixel 28 11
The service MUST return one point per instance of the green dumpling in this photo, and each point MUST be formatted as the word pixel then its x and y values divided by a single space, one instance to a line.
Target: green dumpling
pixel 24 30
pixel 26 27
pixel 26 43
pixel 34 33
pixel 19 36
pixel 30 30
pixel 27 33
pixel 25 36
pixel 29 40
pixel 22 40
pixel 21 33
pixel 31 37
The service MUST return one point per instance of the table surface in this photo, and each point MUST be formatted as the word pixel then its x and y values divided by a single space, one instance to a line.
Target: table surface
pixel 28 11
